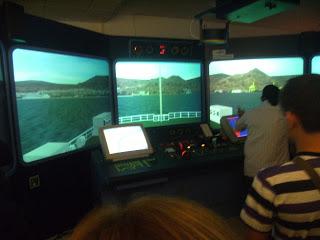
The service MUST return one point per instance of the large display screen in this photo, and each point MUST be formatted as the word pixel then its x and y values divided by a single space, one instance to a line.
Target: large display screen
pixel 62 100
pixel 158 93
pixel 315 65
pixel 238 83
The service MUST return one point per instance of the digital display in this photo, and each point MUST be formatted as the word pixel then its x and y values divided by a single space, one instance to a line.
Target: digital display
pixel 163 49
pixel 125 139
pixel 232 122
pixel 238 83
pixel 155 49
pixel 62 101
pixel 158 93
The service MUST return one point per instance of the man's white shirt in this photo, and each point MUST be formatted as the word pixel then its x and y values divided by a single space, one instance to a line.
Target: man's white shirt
pixel 267 141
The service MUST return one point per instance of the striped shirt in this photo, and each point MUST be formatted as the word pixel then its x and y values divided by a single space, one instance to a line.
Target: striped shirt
pixel 267 141
pixel 284 200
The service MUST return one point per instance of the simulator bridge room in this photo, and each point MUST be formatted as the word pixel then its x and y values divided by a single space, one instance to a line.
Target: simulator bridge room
pixel 159 120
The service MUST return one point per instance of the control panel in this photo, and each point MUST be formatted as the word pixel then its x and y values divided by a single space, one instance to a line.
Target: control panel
pixel 185 142
pixel 174 147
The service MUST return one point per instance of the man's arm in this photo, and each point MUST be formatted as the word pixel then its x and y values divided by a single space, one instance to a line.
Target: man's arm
pixel 241 123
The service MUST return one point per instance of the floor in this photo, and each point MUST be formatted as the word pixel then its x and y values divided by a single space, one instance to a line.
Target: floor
pixel 238 227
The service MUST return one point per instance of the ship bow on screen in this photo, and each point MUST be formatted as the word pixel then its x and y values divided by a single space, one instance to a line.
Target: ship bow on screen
pixel 61 101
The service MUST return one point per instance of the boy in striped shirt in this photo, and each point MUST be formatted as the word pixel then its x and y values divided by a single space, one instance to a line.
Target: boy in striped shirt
pixel 283 203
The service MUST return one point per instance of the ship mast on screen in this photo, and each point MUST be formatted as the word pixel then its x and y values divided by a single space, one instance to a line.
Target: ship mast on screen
pixel 159 93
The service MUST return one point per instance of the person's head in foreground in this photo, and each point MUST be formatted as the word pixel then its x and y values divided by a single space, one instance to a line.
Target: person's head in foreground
pixel 270 93
pixel 300 100
pixel 152 218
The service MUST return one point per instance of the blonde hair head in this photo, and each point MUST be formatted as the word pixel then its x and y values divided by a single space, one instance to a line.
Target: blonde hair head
pixel 153 218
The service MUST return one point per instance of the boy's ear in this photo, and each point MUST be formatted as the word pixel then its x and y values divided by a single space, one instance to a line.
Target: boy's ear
pixel 292 120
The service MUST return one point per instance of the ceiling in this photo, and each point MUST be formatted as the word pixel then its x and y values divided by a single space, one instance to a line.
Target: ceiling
pixel 104 10
pixel 306 17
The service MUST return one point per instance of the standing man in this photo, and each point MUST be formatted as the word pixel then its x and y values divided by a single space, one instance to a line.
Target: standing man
pixel 283 202
pixel 267 141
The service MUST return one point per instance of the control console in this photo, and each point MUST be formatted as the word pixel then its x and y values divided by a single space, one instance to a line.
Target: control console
pixel 175 147
pixel 185 142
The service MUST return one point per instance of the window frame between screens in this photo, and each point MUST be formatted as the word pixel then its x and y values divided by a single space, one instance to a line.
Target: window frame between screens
pixel 304 60
pixel 162 60
pixel 13 102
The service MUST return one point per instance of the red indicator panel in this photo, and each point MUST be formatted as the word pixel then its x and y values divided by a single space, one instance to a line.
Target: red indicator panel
pixel 163 49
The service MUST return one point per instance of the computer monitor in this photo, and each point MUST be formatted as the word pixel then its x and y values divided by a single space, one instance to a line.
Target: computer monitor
pixel 228 126
pixel 123 142
pixel 159 93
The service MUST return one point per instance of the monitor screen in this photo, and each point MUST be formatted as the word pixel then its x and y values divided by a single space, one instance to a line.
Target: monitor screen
pixel 238 83
pixel 122 142
pixel 228 125
pixel 158 93
pixel 232 120
pixel 62 100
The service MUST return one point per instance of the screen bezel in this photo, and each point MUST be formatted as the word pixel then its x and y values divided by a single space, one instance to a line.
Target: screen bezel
pixel 162 60
pixel 242 58
pixel 124 155
pixel 11 167
pixel 12 90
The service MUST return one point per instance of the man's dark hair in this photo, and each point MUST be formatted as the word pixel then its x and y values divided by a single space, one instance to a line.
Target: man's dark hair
pixel 270 93
pixel 301 96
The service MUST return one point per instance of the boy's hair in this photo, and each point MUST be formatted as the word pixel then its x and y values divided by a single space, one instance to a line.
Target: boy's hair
pixel 301 96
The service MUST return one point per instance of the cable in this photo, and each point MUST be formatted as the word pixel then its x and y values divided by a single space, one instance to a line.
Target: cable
pixel 190 29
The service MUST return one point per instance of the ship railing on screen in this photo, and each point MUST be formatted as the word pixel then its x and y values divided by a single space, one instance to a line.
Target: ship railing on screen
pixel 83 137
pixel 148 117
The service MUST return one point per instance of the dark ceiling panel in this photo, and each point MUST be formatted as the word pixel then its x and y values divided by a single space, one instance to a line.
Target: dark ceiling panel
pixel 306 17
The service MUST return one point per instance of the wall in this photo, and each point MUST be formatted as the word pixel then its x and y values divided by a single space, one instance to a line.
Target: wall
pixel 3 114
pixel 149 26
